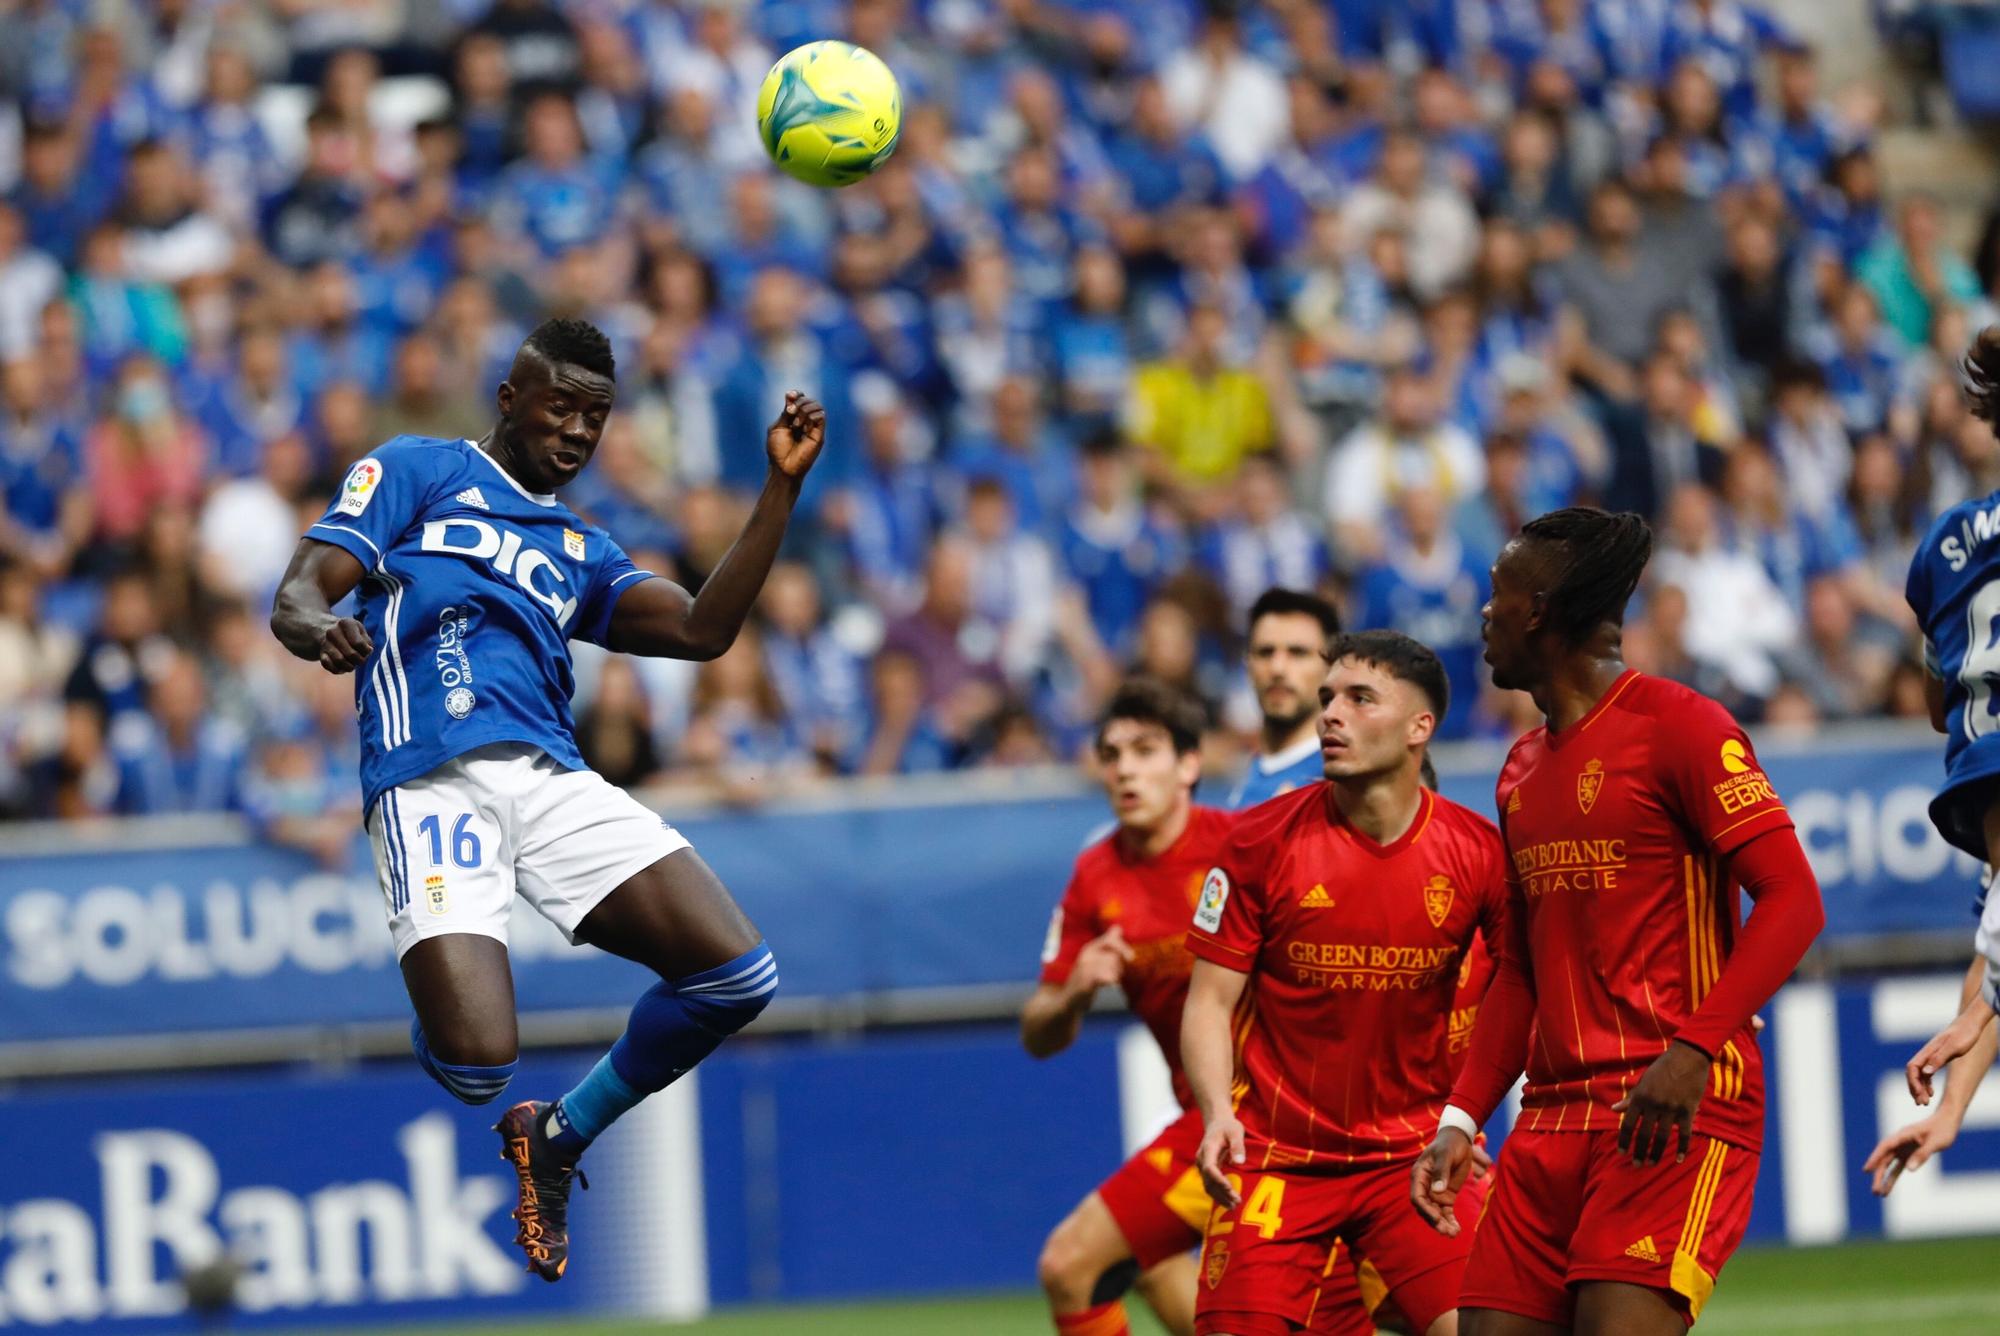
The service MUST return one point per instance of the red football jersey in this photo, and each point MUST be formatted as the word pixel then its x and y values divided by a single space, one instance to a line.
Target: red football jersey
pixel 1354 950
pixel 1151 899
pixel 1618 833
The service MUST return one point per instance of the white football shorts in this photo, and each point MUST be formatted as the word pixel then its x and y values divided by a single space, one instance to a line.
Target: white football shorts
pixel 454 847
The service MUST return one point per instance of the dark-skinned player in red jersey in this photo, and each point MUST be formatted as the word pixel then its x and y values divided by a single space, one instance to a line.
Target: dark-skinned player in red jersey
pixel 1329 942
pixel 1123 921
pixel 1632 819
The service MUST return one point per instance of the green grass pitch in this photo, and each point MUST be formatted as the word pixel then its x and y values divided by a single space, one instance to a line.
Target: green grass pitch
pixel 1863 1289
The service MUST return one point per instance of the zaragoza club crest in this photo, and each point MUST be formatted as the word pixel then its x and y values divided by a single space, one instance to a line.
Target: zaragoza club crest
pixel 1216 1262
pixel 1589 784
pixel 1437 898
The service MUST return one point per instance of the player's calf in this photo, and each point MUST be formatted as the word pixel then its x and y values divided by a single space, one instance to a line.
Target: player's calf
pixel 674 1025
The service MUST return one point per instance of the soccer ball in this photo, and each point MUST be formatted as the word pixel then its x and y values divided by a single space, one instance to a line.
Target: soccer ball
pixel 829 113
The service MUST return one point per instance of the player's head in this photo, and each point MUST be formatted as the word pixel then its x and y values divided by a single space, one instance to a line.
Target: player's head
pixel 1287 655
pixel 554 402
pixel 1380 703
pixel 1982 375
pixel 1149 752
pixel 1562 582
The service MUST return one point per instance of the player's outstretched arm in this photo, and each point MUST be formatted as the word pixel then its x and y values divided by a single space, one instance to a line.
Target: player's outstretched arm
pixel 1053 1016
pixel 658 619
pixel 321 574
pixel 1210 1061
pixel 1909 1146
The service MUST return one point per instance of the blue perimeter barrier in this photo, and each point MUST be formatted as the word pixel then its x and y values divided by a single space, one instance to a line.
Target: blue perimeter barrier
pixel 100 941
pixel 915 1162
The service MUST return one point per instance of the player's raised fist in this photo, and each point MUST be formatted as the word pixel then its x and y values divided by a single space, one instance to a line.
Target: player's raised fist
pixel 795 438
pixel 345 646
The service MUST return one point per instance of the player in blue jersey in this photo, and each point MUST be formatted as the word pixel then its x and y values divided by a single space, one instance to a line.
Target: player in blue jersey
pixel 1954 588
pixel 473 578
pixel 1286 657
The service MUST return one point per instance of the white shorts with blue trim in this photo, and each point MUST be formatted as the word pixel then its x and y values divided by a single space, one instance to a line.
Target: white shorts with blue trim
pixel 454 847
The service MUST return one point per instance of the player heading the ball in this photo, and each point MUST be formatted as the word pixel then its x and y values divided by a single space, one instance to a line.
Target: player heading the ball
pixel 472 578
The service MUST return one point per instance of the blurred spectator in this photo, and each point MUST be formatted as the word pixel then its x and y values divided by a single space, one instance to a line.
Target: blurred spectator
pixel 419 403
pixel 1738 622
pixel 1199 415
pixel 315 217
pixel 1428 585
pixel 29 280
pixel 903 737
pixel 1859 358
pixel 817 676
pixel 146 454
pixel 538 43
pixel 1234 99
pixel 957 652
pixel 1615 290
pixel 1408 446
pixel 614 732
pixel 1013 582
pixel 1755 298
pixel 175 756
pixel 1912 274
pixel 56 204
pixel 1437 222
pixel 45 515
pixel 892 510
pixel 1025 455
pixel 1808 440
pixel 245 531
pixel 1845 675
pixel 1266 543
pixel 1113 549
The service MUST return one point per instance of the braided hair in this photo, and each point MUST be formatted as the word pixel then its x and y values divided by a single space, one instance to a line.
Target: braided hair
pixel 1596 560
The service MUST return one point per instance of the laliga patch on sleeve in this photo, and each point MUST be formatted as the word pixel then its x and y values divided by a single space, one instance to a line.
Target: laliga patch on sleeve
pixel 1053 942
pixel 1214 895
pixel 359 489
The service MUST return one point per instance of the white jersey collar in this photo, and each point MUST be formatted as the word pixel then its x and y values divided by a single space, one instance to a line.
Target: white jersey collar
pixel 539 498
pixel 1286 759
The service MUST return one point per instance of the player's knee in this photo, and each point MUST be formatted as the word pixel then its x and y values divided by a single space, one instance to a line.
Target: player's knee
pixel 1061 1267
pixel 725 999
pixel 475 1067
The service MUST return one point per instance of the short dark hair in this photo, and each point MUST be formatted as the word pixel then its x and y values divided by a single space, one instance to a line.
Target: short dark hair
pixel 1147 700
pixel 1279 601
pixel 1404 658
pixel 567 342
pixel 1598 559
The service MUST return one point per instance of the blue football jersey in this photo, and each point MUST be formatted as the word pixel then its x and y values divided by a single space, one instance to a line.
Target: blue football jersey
pixel 1954 588
pixel 1269 776
pixel 475 588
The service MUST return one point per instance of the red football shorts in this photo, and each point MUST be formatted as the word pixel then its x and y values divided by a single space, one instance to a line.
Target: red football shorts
pixel 1268 1264
pixel 1156 1197
pixel 1570 1209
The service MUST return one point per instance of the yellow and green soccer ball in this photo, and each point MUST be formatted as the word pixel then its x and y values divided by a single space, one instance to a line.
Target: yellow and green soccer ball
pixel 829 113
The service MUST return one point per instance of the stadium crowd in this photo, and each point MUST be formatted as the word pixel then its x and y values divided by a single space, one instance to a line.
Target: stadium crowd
pixel 1159 303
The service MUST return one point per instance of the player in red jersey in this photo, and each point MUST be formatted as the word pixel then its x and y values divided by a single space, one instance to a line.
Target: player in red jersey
pixel 1122 921
pixel 1329 943
pixel 1631 819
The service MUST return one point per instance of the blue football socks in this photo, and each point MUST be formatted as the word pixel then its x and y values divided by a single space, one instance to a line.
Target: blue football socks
pixel 674 1025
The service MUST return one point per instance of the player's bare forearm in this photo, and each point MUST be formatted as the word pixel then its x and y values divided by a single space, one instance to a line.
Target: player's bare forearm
pixel 1052 1019
pixel 1206 1052
pixel 302 617
pixel 1967 1071
pixel 662 621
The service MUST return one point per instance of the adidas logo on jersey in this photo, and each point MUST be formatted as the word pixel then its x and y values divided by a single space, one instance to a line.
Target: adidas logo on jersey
pixel 1645 1251
pixel 1513 802
pixel 471 497
pixel 1316 898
